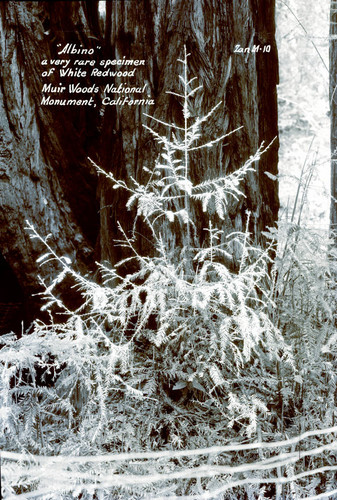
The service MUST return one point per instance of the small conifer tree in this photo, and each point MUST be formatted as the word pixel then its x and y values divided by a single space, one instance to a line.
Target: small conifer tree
pixel 179 351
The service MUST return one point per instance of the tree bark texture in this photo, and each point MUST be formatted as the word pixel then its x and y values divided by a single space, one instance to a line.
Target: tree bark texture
pixel 246 83
pixel 45 175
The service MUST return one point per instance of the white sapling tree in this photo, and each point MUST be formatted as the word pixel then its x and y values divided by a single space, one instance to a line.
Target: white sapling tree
pixel 176 349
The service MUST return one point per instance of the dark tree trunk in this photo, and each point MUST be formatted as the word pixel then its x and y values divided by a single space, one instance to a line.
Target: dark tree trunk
pixel 44 174
pixel 333 115
pixel 245 82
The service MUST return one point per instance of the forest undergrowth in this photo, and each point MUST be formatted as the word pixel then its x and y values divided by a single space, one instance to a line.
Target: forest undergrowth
pixel 204 370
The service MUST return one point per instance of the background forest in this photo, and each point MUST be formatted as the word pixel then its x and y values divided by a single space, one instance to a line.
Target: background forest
pixel 184 334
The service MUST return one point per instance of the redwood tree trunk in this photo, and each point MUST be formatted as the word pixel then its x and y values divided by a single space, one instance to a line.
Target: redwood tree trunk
pixel 45 176
pixel 246 83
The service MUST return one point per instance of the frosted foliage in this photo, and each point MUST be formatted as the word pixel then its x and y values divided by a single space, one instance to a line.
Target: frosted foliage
pixel 186 373
pixel 303 93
